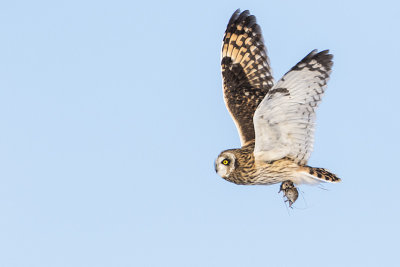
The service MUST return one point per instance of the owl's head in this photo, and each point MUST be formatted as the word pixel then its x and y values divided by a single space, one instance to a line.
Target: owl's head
pixel 225 164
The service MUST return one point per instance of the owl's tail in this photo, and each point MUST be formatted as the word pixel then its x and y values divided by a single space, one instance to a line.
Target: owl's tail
pixel 317 175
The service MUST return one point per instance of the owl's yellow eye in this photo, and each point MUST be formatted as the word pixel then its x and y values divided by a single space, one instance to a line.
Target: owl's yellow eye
pixel 225 162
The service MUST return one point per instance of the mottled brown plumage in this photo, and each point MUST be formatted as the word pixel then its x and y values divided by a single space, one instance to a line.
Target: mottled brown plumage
pixel 245 71
pixel 249 172
pixel 275 122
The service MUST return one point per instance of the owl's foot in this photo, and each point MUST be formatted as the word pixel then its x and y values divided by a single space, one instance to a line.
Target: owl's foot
pixel 289 191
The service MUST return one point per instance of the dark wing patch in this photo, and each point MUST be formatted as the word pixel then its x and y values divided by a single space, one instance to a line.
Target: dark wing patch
pixel 245 70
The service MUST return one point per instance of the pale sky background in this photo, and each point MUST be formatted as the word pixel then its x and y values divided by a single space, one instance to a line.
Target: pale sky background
pixel 112 114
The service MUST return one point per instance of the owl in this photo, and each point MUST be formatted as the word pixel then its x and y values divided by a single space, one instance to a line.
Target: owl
pixel 275 121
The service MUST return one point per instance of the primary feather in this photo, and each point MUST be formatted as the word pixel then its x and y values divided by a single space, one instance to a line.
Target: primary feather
pixel 245 71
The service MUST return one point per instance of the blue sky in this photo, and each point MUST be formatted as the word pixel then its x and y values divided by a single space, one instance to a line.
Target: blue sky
pixel 112 116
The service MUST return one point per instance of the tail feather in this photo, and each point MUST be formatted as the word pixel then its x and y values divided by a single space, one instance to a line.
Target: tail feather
pixel 320 174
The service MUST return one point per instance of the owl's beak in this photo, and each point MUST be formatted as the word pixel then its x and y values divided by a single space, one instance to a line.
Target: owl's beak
pixel 215 166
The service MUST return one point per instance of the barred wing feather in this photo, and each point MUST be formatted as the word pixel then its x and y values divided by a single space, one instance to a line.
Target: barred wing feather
pixel 245 71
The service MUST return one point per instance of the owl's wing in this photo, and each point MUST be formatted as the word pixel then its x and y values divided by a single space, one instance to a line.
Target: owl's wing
pixel 284 121
pixel 245 71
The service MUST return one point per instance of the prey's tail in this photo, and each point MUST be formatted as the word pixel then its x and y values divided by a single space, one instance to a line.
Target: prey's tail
pixel 318 174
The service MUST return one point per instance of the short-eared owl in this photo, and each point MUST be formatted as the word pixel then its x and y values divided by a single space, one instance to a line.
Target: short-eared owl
pixel 275 121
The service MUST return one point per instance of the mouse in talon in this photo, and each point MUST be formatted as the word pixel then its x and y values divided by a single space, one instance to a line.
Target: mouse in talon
pixel 289 191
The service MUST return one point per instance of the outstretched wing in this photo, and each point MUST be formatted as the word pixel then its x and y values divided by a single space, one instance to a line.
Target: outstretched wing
pixel 245 71
pixel 284 121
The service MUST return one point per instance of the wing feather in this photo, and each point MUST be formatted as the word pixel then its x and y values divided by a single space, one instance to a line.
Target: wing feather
pixel 284 121
pixel 245 70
